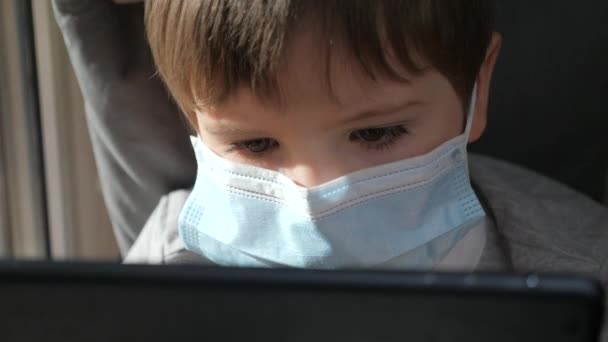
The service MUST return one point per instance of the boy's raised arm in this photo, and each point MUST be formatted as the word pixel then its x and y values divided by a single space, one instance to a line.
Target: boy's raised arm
pixel 139 139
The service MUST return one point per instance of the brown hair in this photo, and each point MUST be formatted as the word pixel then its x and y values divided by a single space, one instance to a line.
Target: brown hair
pixel 205 49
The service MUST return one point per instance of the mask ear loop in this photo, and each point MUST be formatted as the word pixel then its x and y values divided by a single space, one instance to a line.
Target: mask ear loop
pixel 471 111
pixel 469 124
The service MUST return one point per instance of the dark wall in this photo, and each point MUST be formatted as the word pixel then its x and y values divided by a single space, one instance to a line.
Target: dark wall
pixel 549 102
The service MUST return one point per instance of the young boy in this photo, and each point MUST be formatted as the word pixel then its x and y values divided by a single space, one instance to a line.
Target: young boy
pixel 332 134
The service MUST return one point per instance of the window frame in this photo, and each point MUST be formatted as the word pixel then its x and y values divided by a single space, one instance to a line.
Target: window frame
pixel 24 229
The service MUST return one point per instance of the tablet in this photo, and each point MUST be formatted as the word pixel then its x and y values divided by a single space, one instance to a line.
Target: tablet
pixel 108 302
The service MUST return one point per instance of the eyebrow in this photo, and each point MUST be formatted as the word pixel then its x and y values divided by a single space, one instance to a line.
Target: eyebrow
pixel 229 130
pixel 235 131
pixel 368 114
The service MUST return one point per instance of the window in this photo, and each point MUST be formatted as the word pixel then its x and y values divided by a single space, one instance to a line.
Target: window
pixel 50 202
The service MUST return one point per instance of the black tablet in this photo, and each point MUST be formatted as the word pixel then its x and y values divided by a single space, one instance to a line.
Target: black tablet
pixel 109 302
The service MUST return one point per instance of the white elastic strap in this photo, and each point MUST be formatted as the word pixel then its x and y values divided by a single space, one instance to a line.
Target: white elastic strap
pixel 471 111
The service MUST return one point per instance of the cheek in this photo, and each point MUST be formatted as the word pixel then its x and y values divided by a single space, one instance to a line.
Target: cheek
pixel 361 157
pixel 214 145
pixel 428 134
pixel 447 125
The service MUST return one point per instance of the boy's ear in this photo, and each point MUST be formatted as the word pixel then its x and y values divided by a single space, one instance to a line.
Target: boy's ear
pixel 483 87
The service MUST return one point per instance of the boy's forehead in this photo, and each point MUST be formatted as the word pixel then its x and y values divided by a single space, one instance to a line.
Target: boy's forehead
pixel 317 72
pixel 319 67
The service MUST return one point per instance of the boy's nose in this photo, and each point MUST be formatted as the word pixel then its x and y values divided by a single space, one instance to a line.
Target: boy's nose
pixel 310 172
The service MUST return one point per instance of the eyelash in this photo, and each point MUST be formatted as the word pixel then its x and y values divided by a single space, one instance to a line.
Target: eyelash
pixel 389 136
pixel 245 145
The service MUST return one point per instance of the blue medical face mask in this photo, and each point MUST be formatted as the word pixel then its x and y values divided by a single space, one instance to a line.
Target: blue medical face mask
pixel 405 214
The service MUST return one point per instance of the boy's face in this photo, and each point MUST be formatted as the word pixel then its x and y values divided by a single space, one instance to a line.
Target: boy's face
pixel 313 136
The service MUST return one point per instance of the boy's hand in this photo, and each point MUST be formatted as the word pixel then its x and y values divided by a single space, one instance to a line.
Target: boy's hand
pixel 140 141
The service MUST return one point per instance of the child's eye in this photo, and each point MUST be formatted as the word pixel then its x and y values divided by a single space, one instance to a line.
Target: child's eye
pixel 255 146
pixel 379 137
